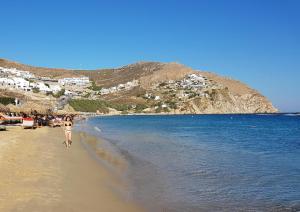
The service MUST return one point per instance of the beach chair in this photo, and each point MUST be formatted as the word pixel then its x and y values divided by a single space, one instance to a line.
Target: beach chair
pixel 28 123
pixel 56 122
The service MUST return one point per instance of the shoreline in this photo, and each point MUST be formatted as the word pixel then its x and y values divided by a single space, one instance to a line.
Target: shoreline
pixel 93 115
pixel 39 174
pixel 184 114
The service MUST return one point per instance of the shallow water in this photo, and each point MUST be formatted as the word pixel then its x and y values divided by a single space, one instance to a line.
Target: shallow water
pixel 208 162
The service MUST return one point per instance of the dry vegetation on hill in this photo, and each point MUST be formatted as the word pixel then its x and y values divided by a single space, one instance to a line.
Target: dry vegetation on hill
pixel 222 95
pixel 39 71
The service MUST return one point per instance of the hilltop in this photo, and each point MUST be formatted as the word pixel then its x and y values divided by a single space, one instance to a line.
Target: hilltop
pixel 143 87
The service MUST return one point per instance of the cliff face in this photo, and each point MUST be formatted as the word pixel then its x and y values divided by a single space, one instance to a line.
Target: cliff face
pixel 164 88
pixel 233 97
pixel 223 101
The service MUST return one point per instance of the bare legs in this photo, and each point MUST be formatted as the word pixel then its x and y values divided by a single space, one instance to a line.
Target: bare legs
pixel 70 138
pixel 68 141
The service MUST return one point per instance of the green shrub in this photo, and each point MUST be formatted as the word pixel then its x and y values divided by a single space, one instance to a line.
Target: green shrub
pixel 159 104
pixel 7 100
pixel 140 107
pixel 87 95
pixel 166 109
pixel 163 84
pixel 119 107
pixel 59 93
pixel 35 90
pixel 95 87
pixel 86 105
pixel 158 110
pixel 172 104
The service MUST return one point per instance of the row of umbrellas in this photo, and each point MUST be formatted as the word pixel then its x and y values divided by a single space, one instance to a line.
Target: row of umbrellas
pixel 30 107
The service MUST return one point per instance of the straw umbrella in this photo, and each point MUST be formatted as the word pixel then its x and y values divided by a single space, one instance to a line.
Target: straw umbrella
pixel 13 108
pixel 4 108
pixel 66 110
pixel 29 107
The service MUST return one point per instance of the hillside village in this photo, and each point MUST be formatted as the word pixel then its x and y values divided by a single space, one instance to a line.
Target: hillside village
pixel 14 79
pixel 78 87
pixel 137 88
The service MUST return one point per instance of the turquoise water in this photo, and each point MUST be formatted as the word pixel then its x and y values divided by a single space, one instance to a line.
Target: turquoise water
pixel 209 162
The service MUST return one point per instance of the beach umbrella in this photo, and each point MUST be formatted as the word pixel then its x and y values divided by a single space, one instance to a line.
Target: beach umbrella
pixel 4 108
pixel 29 107
pixel 13 108
pixel 67 110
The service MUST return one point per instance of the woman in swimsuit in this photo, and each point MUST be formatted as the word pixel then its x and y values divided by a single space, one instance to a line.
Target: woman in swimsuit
pixel 68 130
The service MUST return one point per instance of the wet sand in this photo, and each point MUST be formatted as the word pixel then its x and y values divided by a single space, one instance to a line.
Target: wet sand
pixel 39 174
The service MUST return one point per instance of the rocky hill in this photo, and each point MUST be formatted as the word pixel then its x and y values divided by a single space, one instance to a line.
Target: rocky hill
pixel 153 87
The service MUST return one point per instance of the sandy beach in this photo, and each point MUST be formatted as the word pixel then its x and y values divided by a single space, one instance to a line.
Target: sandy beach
pixel 39 174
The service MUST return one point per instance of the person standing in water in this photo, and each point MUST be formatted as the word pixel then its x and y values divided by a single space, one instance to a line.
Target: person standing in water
pixel 68 124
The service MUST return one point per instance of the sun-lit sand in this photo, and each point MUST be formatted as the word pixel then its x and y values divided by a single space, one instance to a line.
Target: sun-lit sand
pixel 39 174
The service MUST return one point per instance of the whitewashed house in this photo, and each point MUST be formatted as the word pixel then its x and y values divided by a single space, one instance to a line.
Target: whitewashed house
pixel 17 73
pixel 67 92
pixel 55 88
pixel 42 87
pixel 7 82
pixel 120 87
pixel 79 81
pixel 104 91
pixel 21 84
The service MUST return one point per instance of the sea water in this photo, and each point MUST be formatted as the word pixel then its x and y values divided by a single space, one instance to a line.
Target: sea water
pixel 208 162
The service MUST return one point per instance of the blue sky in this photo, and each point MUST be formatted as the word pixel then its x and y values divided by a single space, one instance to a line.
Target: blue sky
pixel 255 41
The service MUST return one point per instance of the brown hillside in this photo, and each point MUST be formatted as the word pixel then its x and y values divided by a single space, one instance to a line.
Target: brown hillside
pixel 39 71
pixel 224 95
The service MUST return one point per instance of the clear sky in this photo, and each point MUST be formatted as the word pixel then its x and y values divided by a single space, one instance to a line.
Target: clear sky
pixel 255 41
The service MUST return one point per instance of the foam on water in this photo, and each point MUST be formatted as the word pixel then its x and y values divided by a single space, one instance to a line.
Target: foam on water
pixel 97 129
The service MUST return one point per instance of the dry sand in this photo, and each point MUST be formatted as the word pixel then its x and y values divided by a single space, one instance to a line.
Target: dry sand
pixel 37 173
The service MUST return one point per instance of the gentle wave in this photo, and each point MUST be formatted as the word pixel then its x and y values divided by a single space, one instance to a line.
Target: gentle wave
pixel 209 162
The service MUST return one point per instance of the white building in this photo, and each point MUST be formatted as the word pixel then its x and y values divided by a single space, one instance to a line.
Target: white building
pixel 68 92
pixel 7 82
pixel 17 73
pixel 79 81
pixel 16 83
pixel 120 87
pixel 55 88
pixel 193 81
pixel 21 83
pixel 42 87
